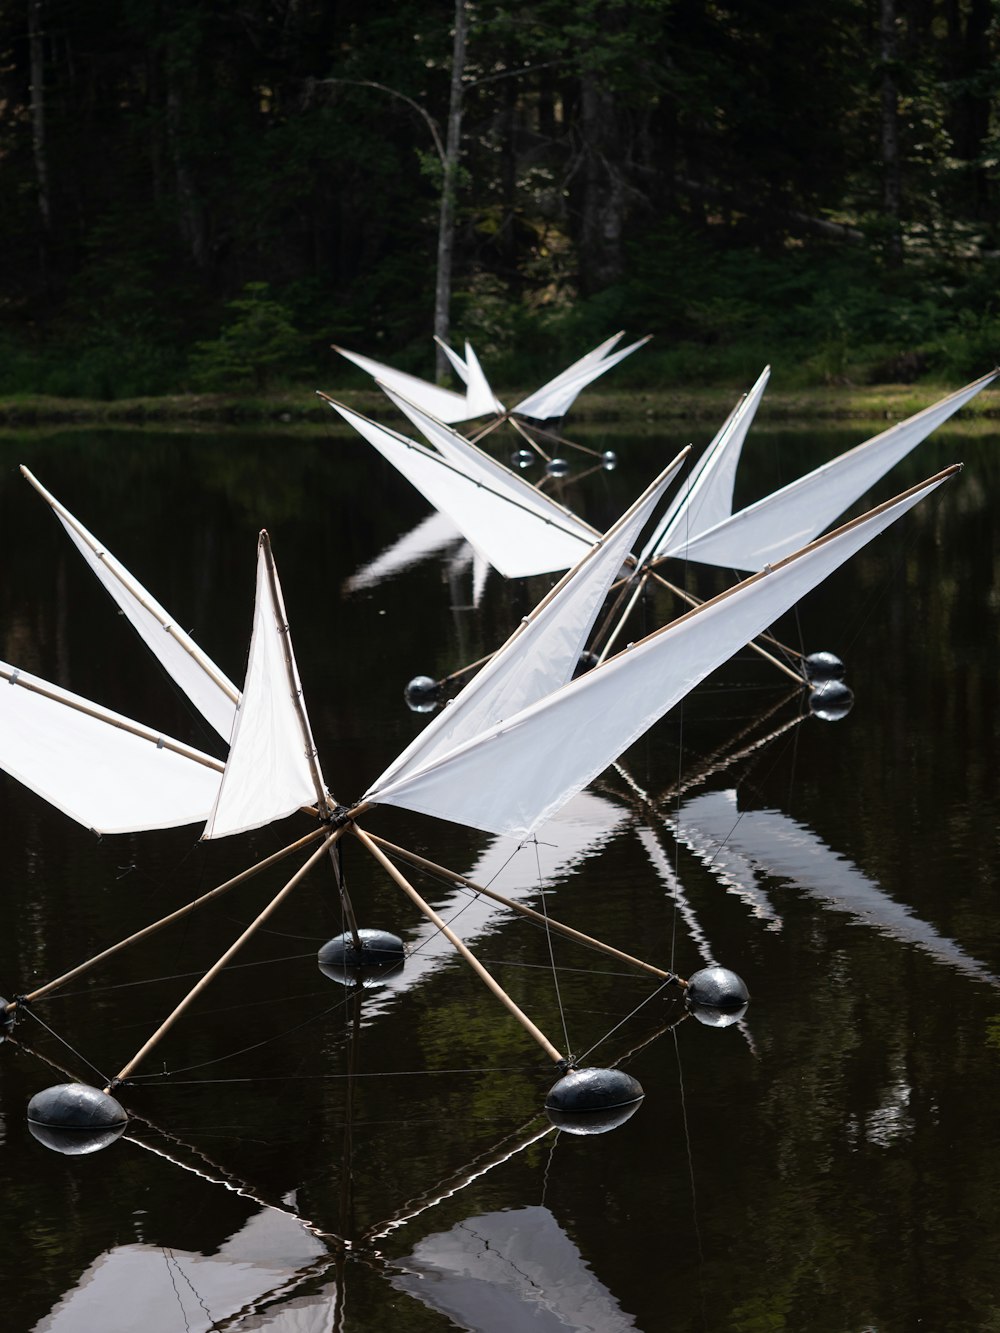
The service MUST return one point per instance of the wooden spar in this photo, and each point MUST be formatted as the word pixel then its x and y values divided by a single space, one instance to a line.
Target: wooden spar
pixel 670 978
pixel 462 948
pixel 790 672
pixel 134 590
pixel 305 730
pixel 490 427
pixel 551 435
pixel 122 724
pixel 533 442
pixel 290 676
pixel 217 967
pixel 697 601
pixel 155 926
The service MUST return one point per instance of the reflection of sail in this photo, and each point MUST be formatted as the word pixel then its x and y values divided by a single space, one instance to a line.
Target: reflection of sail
pixel 581 829
pixel 152 1288
pixel 751 843
pixel 508 1271
pixel 431 535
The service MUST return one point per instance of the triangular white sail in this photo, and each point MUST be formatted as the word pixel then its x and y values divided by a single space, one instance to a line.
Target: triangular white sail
pixel 480 400
pixel 272 768
pixel 444 404
pixel 557 397
pixel 543 652
pixel 518 773
pixel 518 530
pixel 102 769
pixel 706 497
pixel 484 468
pixel 776 525
pixel 209 688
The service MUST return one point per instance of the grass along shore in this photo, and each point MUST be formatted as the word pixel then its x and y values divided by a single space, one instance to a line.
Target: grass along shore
pixel 638 408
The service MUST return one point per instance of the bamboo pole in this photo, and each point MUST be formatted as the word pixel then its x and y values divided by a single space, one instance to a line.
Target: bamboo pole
pixel 135 590
pixel 15 677
pixel 570 932
pixel 462 948
pixel 180 913
pixel 697 601
pixel 790 672
pixel 217 967
pixel 530 439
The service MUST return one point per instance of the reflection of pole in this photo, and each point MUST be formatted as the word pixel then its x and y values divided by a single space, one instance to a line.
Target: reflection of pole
pixel 217 967
pixel 166 920
pixel 347 1169
pixel 422 863
pixel 462 948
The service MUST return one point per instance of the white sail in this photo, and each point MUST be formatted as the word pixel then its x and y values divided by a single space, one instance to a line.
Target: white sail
pixel 706 498
pixel 209 688
pixel 768 530
pixel 480 400
pixel 444 404
pixel 513 776
pixel 557 397
pixel 519 531
pixel 483 467
pixel 272 768
pixel 542 653
pixel 102 769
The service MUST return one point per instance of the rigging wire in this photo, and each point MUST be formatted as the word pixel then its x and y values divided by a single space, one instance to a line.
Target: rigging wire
pixel 548 939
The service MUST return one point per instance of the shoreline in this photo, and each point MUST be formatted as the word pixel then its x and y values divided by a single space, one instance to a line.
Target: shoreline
pixel 299 407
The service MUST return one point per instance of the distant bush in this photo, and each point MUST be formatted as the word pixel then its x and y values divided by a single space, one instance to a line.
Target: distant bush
pixel 258 342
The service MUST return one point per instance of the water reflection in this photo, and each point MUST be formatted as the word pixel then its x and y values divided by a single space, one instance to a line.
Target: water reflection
pixel 836 1165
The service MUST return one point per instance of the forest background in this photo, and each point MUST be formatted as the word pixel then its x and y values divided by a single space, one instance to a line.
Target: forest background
pixel 203 195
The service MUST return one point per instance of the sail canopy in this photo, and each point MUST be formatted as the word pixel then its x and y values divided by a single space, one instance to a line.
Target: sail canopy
pixel 445 404
pixel 102 769
pixel 513 526
pixel 272 768
pixel 775 526
pixel 557 397
pixel 542 653
pixel 706 497
pixel 205 684
pixel 517 773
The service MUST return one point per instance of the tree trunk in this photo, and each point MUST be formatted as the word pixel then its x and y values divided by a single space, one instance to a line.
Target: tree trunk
pixel 449 187
pixel 603 202
pixel 891 173
pixel 191 214
pixel 36 47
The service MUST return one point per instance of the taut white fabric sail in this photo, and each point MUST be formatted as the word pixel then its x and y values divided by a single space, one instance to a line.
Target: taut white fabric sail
pixel 513 776
pixel 768 530
pixel 272 768
pixel 543 652
pixel 107 772
pixel 209 688
pixel 557 397
pixel 480 400
pixel 445 404
pixel 519 531
pixel 478 464
pixel 706 497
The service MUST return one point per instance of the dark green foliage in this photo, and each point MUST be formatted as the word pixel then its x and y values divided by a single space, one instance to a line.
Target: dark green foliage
pixel 257 341
pixel 713 175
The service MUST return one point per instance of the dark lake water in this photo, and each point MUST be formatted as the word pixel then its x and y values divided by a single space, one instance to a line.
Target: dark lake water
pixel 304 1158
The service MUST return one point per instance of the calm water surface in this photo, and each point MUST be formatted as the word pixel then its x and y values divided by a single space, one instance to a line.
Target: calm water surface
pixel 302 1158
